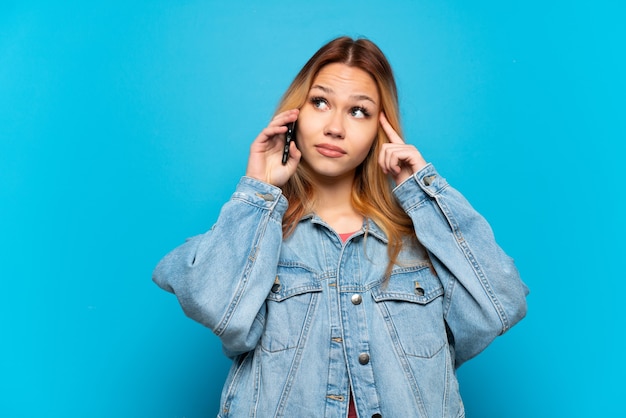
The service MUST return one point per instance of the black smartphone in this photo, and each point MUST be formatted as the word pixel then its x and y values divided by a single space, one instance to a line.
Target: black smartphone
pixel 290 135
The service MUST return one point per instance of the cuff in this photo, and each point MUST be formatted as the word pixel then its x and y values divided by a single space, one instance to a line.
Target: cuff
pixel 424 184
pixel 261 194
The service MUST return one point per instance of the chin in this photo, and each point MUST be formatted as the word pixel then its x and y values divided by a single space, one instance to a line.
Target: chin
pixel 329 167
pixel 332 172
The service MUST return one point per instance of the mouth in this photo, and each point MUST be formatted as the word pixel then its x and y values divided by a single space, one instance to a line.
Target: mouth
pixel 331 151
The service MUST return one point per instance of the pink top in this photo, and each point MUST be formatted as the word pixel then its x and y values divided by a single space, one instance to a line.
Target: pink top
pixel 344 237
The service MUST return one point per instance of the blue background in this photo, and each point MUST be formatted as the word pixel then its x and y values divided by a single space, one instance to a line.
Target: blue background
pixel 125 125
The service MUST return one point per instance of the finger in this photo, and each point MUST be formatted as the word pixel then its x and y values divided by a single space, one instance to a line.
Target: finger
pixel 393 160
pixel 402 157
pixel 270 132
pixel 395 156
pixel 393 136
pixel 285 117
pixel 387 160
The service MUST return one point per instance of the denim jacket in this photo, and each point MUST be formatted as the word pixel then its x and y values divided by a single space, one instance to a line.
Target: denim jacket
pixel 309 321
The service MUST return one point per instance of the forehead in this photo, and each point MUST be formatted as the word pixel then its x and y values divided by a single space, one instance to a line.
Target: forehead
pixel 344 79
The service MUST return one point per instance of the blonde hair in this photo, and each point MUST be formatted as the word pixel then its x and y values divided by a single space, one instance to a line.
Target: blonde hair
pixel 372 193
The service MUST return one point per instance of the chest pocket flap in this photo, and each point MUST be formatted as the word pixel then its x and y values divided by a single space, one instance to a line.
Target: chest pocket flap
pixel 415 284
pixel 292 280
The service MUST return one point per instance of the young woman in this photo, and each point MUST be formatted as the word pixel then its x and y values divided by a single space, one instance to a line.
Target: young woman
pixel 352 279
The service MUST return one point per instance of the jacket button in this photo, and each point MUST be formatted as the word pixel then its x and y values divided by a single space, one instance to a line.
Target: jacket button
pixel 419 290
pixel 268 197
pixel 428 180
pixel 276 285
pixel 364 358
pixel 356 299
pixel 377 416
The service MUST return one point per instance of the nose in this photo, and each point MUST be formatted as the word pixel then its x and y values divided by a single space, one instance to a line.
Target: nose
pixel 334 126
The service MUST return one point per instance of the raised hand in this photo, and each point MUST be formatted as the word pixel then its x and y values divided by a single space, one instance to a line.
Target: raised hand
pixel 397 158
pixel 265 160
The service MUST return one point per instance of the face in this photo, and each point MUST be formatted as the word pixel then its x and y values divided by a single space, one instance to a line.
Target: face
pixel 339 121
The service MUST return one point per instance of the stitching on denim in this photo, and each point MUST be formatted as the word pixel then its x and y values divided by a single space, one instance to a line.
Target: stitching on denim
pixel 393 334
pixel 230 393
pixel 243 282
pixel 478 271
pixel 298 355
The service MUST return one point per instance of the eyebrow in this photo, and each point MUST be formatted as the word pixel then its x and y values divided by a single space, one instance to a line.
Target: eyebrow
pixel 328 90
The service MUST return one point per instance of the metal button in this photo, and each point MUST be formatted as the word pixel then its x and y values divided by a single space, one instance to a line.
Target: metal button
pixel 276 285
pixel 377 416
pixel 428 180
pixel 266 196
pixel 356 299
pixel 419 290
pixel 364 358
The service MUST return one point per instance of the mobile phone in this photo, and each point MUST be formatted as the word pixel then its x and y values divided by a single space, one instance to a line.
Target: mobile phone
pixel 289 136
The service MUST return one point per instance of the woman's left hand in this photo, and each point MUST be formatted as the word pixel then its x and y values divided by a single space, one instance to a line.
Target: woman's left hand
pixel 398 158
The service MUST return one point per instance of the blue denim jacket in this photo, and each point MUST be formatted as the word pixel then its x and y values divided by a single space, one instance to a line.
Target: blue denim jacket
pixel 310 318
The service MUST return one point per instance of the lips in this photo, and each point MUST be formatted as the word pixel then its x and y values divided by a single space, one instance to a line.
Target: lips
pixel 331 151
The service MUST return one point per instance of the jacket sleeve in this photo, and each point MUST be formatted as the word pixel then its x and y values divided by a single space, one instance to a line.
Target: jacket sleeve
pixel 222 278
pixel 484 295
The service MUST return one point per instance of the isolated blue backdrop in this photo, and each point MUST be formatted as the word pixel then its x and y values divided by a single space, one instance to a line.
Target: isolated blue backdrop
pixel 125 125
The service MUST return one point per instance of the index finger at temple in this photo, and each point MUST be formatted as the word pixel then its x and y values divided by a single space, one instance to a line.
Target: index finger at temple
pixel 393 136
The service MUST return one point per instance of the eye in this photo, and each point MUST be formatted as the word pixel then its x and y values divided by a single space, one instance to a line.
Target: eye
pixel 359 112
pixel 319 103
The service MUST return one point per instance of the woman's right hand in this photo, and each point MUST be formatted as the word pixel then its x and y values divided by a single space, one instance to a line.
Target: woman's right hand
pixel 266 152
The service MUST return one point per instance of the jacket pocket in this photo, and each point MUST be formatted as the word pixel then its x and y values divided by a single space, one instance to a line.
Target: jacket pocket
pixel 411 303
pixel 290 305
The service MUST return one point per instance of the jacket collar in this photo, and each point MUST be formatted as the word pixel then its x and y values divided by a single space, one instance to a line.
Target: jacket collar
pixel 369 226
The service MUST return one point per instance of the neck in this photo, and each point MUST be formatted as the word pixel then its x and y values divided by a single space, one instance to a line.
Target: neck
pixel 333 203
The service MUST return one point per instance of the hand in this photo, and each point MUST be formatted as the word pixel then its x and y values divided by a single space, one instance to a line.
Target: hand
pixel 397 158
pixel 266 152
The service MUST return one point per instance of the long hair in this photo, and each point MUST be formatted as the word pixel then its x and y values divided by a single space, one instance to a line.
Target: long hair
pixel 372 193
